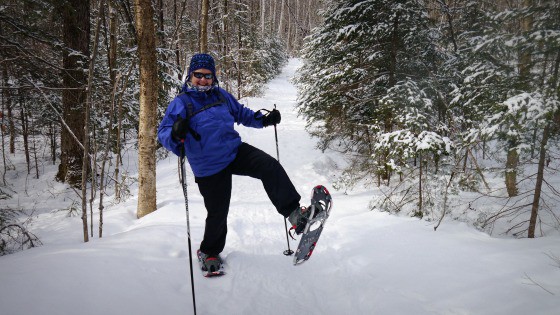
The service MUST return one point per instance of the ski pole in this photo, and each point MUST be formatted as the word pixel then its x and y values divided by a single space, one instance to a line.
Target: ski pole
pixel 184 184
pixel 287 252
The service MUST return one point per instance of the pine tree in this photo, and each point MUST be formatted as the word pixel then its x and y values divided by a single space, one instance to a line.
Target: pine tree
pixel 509 85
pixel 369 76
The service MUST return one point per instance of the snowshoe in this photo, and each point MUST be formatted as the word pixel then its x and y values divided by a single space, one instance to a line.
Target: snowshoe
pixel 211 266
pixel 316 216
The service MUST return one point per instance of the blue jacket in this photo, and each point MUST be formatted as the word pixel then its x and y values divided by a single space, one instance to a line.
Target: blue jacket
pixel 219 141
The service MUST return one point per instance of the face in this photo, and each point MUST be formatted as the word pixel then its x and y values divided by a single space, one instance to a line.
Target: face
pixel 202 77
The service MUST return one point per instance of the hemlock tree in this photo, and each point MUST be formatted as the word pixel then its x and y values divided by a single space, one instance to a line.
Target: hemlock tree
pixel 510 84
pixel 370 78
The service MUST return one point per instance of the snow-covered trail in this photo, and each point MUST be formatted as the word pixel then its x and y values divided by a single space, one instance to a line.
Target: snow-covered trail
pixel 365 262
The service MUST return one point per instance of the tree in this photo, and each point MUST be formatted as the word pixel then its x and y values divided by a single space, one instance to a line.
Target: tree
pixel 509 86
pixel 76 33
pixel 366 56
pixel 203 31
pixel 45 56
pixel 148 107
pixel 377 90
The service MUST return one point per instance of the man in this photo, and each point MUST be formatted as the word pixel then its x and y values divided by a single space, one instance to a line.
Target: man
pixel 201 118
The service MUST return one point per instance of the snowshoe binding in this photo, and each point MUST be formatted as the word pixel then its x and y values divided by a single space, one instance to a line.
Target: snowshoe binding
pixel 211 266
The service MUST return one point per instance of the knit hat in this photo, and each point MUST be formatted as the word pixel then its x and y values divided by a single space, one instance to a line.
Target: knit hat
pixel 200 61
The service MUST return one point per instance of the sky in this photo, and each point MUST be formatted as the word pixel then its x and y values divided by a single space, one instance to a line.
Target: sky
pixel 366 262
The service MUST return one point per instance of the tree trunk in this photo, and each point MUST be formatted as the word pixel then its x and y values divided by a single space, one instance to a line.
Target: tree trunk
pixel 2 134
pixel 393 54
pixel 160 19
pixel 538 184
pixel 118 159
pixel 126 13
pixel 512 162
pixel 525 60
pixel 112 53
pixel 52 137
pixel 148 108
pixel 76 31
pixel 239 65
pixel 289 34
pixel 225 69
pixel 203 41
pixel 273 17
pixel 524 75
pixel 7 100
pixel 25 134
pixel 420 192
pixel 86 140
pixel 281 21
pixel 105 158
pixel 263 6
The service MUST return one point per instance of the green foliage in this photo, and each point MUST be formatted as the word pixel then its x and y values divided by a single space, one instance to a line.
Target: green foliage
pixel 413 88
pixel 262 60
pixel 370 77
pixel 504 101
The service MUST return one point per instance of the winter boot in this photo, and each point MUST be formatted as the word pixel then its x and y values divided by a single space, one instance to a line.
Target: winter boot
pixel 298 218
pixel 209 263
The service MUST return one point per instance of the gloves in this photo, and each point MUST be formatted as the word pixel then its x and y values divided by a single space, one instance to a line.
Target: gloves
pixel 272 118
pixel 180 129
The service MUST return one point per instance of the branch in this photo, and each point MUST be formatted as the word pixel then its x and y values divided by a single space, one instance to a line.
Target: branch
pixel 538 285
pixel 64 123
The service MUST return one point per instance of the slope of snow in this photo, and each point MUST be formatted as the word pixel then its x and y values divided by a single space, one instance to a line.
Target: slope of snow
pixel 365 262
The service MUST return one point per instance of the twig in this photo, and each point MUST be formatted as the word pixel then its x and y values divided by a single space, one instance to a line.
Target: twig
pixel 535 283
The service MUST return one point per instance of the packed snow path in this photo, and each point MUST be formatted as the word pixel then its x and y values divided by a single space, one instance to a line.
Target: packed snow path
pixel 366 262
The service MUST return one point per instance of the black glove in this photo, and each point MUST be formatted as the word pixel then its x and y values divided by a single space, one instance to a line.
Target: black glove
pixel 272 118
pixel 180 129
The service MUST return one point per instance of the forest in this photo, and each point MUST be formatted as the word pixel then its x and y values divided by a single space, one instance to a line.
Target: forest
pixel 429 100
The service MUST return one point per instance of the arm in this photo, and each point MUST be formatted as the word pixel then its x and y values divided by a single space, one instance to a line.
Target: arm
pixel 241 114
pixel 174 110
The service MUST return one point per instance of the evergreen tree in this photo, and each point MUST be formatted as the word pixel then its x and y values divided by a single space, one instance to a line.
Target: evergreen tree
pixel 370 75
pixel 510 87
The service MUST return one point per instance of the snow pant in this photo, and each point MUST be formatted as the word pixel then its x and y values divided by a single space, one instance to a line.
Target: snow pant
pixel 216 192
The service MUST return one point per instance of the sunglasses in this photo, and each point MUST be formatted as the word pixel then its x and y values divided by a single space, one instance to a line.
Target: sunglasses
pixel 200 75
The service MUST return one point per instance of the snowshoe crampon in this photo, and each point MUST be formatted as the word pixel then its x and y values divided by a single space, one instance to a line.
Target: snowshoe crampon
pixel 321 204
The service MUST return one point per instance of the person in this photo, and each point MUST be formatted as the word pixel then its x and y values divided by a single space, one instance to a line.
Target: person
pixel 201 119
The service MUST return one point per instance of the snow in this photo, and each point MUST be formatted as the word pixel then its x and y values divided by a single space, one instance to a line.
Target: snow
pixel 366 262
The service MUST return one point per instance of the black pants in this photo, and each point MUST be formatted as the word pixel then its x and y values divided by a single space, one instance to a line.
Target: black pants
pixel 216 191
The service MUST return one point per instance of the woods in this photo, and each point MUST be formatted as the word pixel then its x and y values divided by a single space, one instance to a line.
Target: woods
pixel 430 100
pixel 420 94
pixel 51 114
